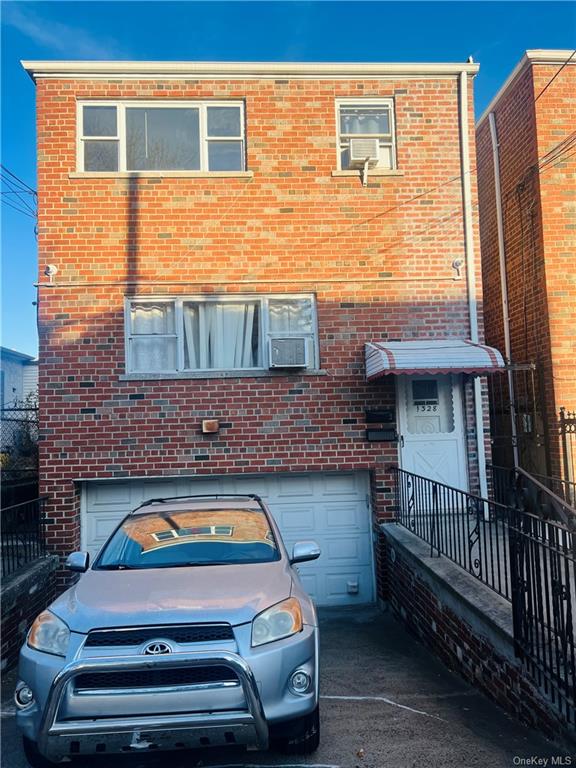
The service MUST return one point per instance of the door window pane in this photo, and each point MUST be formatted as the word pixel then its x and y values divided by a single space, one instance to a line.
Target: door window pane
pixel 223 121
pixel 100 155
pixel 430 407
pixel 225 156
pixel 162 139
pixel 100 121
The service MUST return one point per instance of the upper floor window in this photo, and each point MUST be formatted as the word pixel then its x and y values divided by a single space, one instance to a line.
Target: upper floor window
pixel 220 333
pixel 166 136
pixel 367 119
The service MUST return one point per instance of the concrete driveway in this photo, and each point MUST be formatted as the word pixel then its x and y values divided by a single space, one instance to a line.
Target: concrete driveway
pixel 385 702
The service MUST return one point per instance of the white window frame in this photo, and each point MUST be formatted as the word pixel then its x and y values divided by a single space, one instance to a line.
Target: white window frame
pixel 356 102
pixel 264 330
pixel 120 137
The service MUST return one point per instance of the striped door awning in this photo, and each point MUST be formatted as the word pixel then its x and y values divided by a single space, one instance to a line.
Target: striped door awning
pixel 430 356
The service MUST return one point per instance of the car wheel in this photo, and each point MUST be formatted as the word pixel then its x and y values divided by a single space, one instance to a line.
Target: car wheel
pixel 35 759
pixel 299 737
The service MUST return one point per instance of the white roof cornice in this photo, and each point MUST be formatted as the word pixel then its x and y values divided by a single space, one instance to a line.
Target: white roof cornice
pixel 534 56
pixel 238 70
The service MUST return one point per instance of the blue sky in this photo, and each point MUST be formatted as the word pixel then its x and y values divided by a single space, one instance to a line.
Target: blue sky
pixel 494 33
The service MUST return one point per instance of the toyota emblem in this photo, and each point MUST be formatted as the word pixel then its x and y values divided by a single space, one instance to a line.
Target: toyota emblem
pixel 157 649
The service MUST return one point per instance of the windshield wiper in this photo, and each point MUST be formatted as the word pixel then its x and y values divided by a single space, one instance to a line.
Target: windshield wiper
pixel 117 567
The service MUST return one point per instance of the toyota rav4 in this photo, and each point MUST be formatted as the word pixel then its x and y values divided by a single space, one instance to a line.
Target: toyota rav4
pixel 191 629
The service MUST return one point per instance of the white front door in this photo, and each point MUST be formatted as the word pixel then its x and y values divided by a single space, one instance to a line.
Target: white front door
pixel 431 428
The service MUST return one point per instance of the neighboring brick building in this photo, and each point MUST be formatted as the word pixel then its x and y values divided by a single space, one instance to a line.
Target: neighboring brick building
pixel 179 291
pixel 533 118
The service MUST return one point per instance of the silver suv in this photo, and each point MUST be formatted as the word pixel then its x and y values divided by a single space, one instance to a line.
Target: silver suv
pixel 191 629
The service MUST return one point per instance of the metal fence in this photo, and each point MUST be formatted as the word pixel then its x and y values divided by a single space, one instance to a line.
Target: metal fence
pixel 567 426
pixel 543 558
pixel 22 535
pixel 18 444
pixel 515 487
pixel 528 560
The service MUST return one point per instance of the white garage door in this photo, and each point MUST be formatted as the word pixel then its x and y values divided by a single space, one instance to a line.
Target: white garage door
pixel 330 508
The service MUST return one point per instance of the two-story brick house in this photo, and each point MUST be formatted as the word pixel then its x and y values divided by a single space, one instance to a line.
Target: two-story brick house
pixel 527 189
pixel 230 241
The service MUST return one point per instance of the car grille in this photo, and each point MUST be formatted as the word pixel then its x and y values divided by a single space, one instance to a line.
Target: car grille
pixel 156 678
pixel 190 633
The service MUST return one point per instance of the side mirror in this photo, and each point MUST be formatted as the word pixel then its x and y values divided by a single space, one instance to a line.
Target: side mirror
pixel 78 561
pixel 304 551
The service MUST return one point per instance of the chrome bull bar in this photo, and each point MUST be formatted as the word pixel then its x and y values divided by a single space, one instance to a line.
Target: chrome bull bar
pixel 51 729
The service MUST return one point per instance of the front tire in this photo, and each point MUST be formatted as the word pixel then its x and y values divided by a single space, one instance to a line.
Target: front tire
pixel 300 737
pixel 35 759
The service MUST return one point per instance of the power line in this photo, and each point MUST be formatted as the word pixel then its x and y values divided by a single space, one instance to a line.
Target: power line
pixel 18 194
pixel 20 191
pixel 549 83
pixel 20 210
pixel 16 178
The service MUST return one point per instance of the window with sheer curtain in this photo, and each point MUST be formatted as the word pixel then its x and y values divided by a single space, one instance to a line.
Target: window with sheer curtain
pixel 213 333
pixel 367 119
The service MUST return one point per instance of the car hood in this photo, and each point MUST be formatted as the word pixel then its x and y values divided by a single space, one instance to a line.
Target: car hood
pixel 225 593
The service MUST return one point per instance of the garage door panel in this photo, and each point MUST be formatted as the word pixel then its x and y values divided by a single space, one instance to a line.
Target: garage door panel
pixel 299 518
pixel 342 485
pixel 158 490
pixel 109 495
pixel 295 485
pixel 328 508
pixel 263 488
pixel 346 550
pixel 340 587
pixel 346 517
pixel 98 529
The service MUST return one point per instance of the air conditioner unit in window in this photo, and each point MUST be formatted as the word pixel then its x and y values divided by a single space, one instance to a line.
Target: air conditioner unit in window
pixel 288 353
pixel 362 151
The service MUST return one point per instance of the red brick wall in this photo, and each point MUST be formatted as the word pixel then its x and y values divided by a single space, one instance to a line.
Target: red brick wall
pixel 463 648
pixel 24 596
pixel 538 210
pixel 378 259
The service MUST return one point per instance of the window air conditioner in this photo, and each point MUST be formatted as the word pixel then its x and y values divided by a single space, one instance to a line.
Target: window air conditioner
pixel 362 150
pixel 288 353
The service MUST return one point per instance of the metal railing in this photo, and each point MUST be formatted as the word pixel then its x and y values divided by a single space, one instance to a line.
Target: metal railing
pixel 567 429
pixel 515 487
pixel 22 537
pixel 527 559
pixel 469 530
pixel 543 558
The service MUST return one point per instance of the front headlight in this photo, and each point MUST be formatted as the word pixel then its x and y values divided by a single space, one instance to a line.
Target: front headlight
pixel 49 634
pixel 281 620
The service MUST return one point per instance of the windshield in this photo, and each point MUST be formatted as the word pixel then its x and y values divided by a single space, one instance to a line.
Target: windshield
pixel 190 537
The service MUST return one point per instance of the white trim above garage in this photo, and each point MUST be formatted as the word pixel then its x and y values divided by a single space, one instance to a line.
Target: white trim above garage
pixel 331 508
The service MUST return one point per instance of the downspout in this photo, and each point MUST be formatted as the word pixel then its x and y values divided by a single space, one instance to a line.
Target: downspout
pixel 504 283
pixel 471 274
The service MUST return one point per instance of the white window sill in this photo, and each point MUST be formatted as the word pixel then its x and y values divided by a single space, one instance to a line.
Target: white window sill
pixel 258 373
pixel 160 174
pixel 371 172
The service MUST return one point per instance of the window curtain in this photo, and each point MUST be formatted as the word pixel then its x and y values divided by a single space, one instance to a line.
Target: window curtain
pixel 152 349
pixel 221 336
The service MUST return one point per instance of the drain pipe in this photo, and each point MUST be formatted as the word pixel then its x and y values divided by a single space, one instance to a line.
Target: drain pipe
pixel 471 274
pixel 504 283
